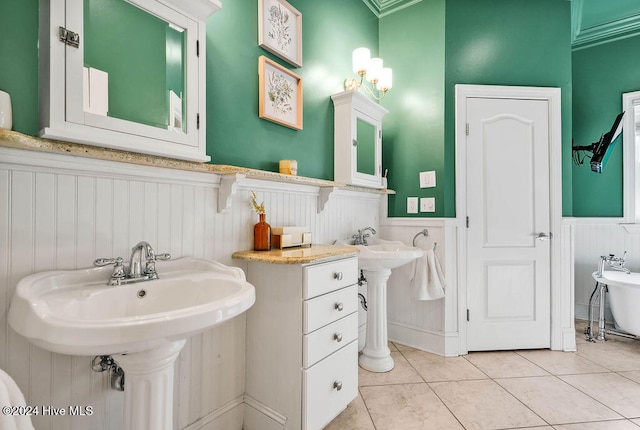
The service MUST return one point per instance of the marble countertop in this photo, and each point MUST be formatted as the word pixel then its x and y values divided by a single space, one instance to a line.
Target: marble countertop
pixel 311 254
pixel 13 139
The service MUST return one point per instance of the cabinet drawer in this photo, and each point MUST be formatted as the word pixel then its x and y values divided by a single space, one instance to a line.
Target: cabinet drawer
pixel 329 386
pixel 323 310
pixel 329 339
pixel 324 278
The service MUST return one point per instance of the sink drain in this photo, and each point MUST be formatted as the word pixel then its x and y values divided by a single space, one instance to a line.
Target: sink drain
pixel 142 293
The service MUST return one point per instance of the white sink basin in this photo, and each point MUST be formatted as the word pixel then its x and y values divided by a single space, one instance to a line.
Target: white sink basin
pixel 74 312
pixel 386 255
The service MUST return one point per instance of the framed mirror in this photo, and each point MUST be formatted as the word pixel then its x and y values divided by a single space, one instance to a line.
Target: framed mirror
pixel 134 80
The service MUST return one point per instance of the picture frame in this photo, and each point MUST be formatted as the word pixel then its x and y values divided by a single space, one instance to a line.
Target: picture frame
pixel 280 94
pixel 280 30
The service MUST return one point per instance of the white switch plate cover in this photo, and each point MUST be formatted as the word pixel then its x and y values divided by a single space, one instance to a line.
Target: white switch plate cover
pixel 428 204
pixel 412 205
pixel 428 179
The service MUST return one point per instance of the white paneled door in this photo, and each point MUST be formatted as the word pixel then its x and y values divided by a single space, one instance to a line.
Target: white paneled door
pixel 508 235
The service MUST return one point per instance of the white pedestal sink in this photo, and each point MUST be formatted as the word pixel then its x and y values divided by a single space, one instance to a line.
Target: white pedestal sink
pixel 376 261
pixel 142 325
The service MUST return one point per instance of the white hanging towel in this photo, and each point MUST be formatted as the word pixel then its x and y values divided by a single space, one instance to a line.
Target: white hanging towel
pixel 428 278
pixel 10 395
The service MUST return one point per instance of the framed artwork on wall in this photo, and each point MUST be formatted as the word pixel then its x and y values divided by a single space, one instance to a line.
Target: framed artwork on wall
pixel 280 30
pixel 280 94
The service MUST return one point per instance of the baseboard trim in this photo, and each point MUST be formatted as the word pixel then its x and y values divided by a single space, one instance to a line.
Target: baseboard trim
pixel 569 339
pixel 265 410
pixel 415 337
pixel 213 415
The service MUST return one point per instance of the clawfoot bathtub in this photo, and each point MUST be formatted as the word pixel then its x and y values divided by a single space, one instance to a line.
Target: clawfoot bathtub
pixel 624 298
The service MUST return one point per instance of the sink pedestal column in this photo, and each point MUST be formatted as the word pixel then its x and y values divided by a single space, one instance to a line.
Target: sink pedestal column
pixel 148 389
pixel 376 356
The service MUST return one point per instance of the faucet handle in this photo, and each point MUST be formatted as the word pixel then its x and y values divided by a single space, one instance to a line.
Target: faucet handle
pixel 99 262
pixel 118 267
pixel 150 268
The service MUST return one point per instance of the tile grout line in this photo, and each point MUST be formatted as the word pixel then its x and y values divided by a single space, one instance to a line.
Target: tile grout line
pixel 431 388
pixel 555 375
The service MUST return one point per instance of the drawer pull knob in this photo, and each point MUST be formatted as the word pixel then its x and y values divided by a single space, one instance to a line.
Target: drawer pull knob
pixel 337 337
pixel 337 385
pixel 339 306
pixel 337 276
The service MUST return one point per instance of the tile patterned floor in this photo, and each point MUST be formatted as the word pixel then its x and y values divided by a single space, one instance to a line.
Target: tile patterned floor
pixel 595 388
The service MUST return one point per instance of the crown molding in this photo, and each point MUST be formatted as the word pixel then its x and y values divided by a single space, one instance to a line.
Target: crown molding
pixel 382 8
pixel 582 38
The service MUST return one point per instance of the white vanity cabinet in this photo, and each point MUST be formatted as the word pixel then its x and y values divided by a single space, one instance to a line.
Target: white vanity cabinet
pixel 99 86
pixel 302 342
pixel 357 139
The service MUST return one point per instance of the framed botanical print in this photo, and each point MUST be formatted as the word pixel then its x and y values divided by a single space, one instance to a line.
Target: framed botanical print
pixel 280 30
pixel 280 94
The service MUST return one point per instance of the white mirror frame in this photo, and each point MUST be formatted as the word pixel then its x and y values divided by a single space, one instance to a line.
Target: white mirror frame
pixel 60 93
pixel 631 167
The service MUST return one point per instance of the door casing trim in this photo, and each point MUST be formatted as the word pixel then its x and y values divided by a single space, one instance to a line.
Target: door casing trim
pixel 561 295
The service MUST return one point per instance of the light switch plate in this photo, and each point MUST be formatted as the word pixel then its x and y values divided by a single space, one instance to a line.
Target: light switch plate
pixel 428 179
pixel 412 205
pixel 428 204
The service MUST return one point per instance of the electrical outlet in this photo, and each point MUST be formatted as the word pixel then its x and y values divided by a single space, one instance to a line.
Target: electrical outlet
pixel 428 204
pixel 412 205
pixel 428 179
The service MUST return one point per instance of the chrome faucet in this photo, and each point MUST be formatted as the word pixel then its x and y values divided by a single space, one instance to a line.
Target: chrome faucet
pixel 360 238
pixel 141 255
pixel 616 263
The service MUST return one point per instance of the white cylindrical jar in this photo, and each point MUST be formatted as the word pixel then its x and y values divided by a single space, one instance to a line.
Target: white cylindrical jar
pixel 6 117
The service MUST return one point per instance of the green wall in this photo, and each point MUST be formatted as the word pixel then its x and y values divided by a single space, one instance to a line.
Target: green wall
pixel 412 43
pixel 19 65
pixel 432 46
pixel 332 29
pixel 600 75
pixel 437 44
pixel 507 42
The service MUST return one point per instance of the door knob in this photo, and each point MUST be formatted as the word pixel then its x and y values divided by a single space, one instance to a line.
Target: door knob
pixel 543 236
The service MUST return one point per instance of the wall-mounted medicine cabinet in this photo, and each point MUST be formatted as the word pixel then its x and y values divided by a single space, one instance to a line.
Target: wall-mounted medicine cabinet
pixel 125 74
pixel 357 139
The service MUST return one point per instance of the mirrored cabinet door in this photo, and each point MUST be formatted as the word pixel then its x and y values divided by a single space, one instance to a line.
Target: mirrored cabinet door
pixel 357 140
pixel 129 75
pixel 365 146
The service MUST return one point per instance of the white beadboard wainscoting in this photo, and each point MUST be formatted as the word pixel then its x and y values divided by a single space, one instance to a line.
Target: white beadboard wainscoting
pixel 595 237
pixel 62 212
pixel 427 325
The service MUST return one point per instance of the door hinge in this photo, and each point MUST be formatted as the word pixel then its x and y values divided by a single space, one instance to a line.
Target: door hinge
pixel 197 48
pixel 466 129
pixel 198 121
pixel 379 134
pixel 69 37
pixel 467 315
pixel 467 222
